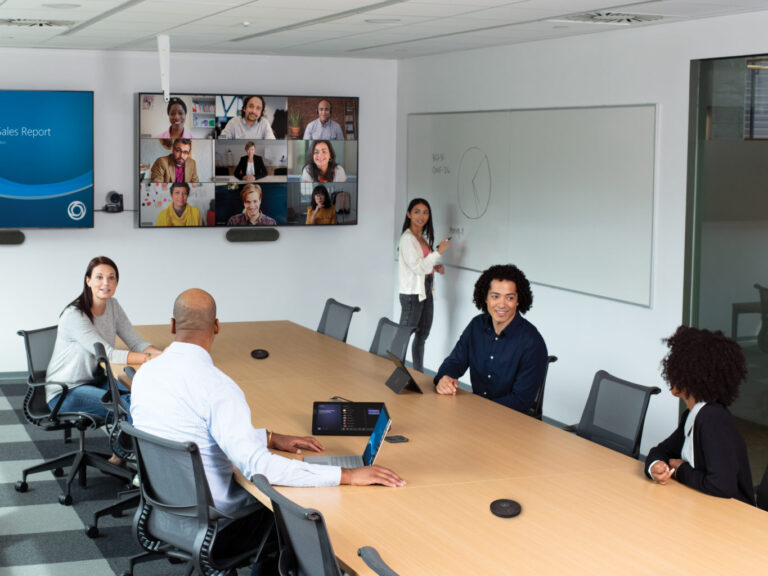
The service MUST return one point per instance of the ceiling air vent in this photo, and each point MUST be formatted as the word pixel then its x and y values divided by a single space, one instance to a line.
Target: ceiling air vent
pixel 613 18
pixel 29 23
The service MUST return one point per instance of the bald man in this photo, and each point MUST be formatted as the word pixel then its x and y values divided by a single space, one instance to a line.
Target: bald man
pixel 182 396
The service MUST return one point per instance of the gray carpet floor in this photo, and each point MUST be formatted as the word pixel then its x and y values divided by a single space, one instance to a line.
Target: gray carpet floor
pixel 39 536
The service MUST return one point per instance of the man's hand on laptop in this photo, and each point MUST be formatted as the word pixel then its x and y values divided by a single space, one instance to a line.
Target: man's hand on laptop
pixel 294 444
pixel 447 385
pixel 371 475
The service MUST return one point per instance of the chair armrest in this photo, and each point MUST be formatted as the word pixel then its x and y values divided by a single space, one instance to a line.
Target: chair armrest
pixel 373 559
pixel 64 391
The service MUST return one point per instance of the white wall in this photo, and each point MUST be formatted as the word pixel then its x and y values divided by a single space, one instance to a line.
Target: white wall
pixel 288 279
pixel 647 65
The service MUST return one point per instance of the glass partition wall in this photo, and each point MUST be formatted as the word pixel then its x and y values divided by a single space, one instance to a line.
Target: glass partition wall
pixel 727 225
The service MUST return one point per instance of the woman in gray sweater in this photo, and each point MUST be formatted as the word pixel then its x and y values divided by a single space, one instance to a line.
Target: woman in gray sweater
pixel 94 316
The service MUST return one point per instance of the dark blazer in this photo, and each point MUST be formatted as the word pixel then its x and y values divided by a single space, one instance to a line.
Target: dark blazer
pixel 258 167
pixel 719 452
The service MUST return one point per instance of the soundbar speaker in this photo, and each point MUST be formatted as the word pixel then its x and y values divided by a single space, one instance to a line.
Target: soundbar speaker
pixel 252 234
pixel 11 237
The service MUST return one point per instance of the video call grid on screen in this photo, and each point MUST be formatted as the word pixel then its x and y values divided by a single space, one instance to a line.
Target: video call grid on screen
pixel 225 186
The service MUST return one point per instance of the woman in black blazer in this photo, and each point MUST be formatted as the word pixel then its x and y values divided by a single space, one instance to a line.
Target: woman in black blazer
pixel 258 171
pixel 706 452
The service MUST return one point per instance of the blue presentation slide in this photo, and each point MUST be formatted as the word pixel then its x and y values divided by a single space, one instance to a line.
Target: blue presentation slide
pixel 46 159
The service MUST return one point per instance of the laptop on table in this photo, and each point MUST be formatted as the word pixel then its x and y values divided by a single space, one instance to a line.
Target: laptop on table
pixel 371 449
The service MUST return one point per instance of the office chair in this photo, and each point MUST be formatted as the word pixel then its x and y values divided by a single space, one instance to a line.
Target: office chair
pixel 336 319
pixel 614 414
pixel 120 413
pixel 391 337
pixel 761 492
pixel 538 406
pixel 305 547
pixel 39 347
pixel 762 336
pixel 177 518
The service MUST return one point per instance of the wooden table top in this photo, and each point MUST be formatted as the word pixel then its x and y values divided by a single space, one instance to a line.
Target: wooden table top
pixel 586 509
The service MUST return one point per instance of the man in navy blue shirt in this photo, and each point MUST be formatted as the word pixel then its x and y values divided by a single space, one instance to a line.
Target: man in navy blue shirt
pixel 505 354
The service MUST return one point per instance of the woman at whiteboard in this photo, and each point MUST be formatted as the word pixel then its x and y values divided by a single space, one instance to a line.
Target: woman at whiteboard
pixel 417 263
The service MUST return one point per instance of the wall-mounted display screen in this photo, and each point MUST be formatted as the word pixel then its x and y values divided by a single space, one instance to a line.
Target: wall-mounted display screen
pixel 46 159
pixel 247 160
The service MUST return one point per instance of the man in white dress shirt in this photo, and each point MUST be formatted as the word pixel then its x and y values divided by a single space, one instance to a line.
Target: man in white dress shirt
pixel 186 398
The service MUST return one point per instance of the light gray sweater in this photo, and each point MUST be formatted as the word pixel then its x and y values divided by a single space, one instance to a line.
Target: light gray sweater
pixel 74 360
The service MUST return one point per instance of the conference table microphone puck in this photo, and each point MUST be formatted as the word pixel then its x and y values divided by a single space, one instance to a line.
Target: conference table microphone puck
pixel 259 354
pixel 505 508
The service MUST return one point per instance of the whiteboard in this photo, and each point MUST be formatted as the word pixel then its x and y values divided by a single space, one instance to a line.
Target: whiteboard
pixel 566 194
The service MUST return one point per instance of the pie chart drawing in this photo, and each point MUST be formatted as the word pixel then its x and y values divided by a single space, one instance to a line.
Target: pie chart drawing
pixel 474 183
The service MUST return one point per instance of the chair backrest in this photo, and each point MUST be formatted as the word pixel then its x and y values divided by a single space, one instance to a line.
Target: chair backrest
pixel 762 336
pixel 176 502
pixel 39 346
pixel 336 319
pixel 121 444
pixel 305 547
pixel 761 491
pixel 538 407
pixel 614 415
pixel 391 337
pixel 130 371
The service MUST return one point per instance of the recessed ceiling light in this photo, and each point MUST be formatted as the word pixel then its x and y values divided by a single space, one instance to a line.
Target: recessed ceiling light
pixel 382 20
pixel 61 5
pixel 246 24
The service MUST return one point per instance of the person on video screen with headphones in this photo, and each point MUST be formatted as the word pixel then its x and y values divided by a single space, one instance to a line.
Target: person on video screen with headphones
pixel 323 128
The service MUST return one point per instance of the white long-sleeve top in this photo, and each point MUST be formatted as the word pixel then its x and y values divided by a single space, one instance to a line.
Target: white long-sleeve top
pixel 413 266
pixel 182 396
pixel 73 361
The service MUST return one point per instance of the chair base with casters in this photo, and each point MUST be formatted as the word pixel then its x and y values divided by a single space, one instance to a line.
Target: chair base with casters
pixel 39 349
pixel 614 415
pixel 78 462
pixel 128 501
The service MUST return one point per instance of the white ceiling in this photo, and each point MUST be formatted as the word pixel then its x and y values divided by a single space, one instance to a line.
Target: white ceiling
pixel 392 29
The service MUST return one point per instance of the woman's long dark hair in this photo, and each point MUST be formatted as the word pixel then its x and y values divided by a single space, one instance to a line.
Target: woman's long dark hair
pixel 314 171
pixel 322 191
pixel 428 232
pixel 85 300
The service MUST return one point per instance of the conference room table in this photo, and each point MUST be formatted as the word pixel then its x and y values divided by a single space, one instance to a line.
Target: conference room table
pixel 586 509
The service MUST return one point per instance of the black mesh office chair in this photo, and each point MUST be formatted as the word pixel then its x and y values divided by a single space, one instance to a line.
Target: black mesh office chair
pixel 122 445
pixel 177 518
pixel 305 547
pixel 762 336
pixel 391 337
pixel 336 319
pixel 39 346
pixel 614 415
pixel 538 407
pixel 761 491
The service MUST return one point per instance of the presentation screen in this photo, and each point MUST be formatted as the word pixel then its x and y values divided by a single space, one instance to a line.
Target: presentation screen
pixel 235 160
pixel 46 159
